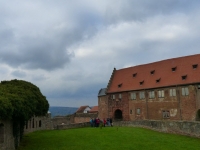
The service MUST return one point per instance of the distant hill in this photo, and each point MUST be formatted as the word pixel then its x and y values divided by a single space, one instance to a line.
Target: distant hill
pixel 61 111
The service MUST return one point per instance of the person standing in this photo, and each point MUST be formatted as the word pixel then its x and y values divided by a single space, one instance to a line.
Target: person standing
pixel 111 123
pixel 104 122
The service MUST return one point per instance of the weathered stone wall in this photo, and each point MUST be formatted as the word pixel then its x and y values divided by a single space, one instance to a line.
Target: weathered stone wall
pixel 38 123
pixel 79 118
pixel 177 127
pixel 73 125
pixel 103 106
pixel 59 120
pixel 6 135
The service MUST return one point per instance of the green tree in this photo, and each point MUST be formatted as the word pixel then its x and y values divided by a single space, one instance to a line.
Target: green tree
pixel 19 101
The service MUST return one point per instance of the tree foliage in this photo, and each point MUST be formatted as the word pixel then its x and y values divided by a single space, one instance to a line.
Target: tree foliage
pixel 21 100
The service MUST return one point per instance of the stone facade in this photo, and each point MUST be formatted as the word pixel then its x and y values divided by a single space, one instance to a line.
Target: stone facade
pixel 34 124
pixel 39 123
pixel 103 107
pixel 6 135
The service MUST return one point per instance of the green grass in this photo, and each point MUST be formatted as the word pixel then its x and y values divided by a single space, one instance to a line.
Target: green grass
pixel 109 138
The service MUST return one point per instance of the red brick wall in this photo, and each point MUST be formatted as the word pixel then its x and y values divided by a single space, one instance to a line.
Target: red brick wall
pixel 180 107
pixel 188 104
pixel 121 104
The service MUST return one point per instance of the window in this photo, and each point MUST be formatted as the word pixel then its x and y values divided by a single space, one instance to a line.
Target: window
pixel 40 123
pixel 151 94
pixel 133 96
pixel 113 96
pixel 33 124
pixel 1 133
pixel 26 123
pixel 135 74
pixel 173 69
pixel 166 114
pixel 185 91
pixel 161 93
pixel 131 111
pixel 184 77
pixel 141 82
pixel 142 96
pixel 120 96
pixel 195 66
pixel 158 80
pixel 138 111
pixel 119 85
pixel 152 72
pixel 172 92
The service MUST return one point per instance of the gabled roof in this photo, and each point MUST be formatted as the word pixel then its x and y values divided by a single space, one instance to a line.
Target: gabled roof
pixel 102 92
pixel 94 109
pixel 81 109
pixel 170 72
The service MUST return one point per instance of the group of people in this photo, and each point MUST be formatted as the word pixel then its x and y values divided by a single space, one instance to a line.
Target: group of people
pixel 96 122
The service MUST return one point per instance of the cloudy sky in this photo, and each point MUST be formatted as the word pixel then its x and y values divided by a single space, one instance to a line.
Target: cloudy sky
pixel 69 48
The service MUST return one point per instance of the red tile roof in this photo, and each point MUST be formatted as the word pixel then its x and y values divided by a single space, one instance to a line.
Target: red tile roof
pixel 81 109
pixel 94 109
pixel 156 74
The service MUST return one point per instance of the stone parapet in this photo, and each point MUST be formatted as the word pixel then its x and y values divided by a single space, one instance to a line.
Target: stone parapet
pixel 176 127
pixel 73 125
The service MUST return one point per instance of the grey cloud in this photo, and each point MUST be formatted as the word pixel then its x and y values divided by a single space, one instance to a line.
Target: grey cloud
pixel 19 73
pixel 133 10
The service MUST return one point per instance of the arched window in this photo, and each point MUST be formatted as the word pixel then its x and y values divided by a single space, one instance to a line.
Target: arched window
pixel 1 133
pixel 198 115
pixel 40 123
pixel 118 114
pixel 33 124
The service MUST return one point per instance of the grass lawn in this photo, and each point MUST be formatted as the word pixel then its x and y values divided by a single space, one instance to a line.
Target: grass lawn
pixel 108 138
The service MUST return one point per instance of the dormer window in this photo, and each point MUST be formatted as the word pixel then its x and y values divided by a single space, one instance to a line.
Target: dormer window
pixel 184 77
pixel 135 74
pixel 195 66
pixel 173 69
pixel 141 83
pixel 152 72
pixel 158 80
pixel 119 85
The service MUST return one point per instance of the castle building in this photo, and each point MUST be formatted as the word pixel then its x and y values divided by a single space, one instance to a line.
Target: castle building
pixel 163 90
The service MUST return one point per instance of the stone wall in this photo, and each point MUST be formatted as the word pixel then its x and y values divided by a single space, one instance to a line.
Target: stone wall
pixel 61 120
pixel 73 125
pixel 38 123
pixel 80 118
pixel 103 106
pixel 6 135
pixel 177 127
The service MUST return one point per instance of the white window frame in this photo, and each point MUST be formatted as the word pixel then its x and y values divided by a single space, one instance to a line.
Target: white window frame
pixel 142 95
pixel 113 96
pixel 161 93
pixel 172 92
pixel 151 94
pixel 185 91
pixel 133 96
pixel 120 96
pixel 138 111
